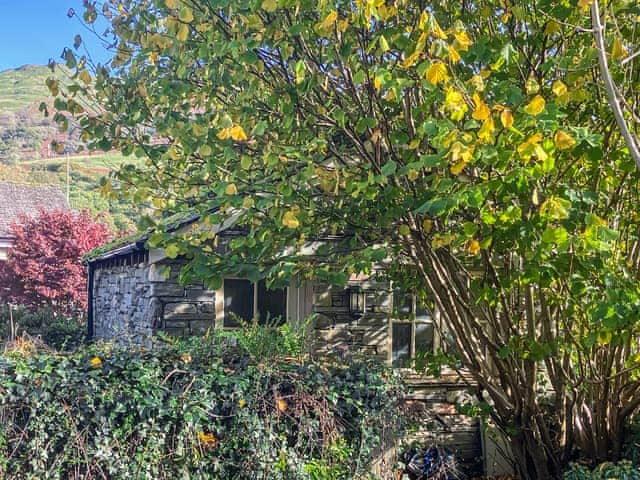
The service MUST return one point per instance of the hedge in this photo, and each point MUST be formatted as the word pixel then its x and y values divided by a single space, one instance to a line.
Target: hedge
pixel 201 408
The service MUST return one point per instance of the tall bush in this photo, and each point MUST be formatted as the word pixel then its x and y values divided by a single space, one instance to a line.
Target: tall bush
pixel 44 267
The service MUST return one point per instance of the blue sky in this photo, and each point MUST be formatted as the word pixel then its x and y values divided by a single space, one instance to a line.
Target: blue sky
pixel 33 31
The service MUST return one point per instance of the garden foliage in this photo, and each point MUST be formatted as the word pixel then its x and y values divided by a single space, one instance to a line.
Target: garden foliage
pixel 44 267
pixel 201 408
pixel 470 144
pixel 606 471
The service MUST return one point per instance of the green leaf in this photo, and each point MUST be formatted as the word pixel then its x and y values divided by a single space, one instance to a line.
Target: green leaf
pixel 172 250
pixel 389 168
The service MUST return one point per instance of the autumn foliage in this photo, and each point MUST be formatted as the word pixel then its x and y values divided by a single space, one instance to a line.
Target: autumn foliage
pixel 44 267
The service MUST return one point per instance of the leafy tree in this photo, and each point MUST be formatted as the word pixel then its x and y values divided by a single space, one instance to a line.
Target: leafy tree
pixel 464 143
pixel 44 267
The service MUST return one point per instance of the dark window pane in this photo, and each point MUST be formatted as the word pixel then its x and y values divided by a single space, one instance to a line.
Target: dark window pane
pixel 271 304
pixel 424 338
pixel 401 344
pixel 238 301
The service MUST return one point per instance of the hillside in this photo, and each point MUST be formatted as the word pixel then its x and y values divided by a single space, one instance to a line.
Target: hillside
pixel 22 88
pixel 25 135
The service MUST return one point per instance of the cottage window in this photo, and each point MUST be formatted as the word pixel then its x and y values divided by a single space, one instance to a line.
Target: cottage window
pixel 411 329
pixel 245 300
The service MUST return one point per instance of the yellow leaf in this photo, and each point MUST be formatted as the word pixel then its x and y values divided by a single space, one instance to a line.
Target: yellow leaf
pixel 242 402
pixel 461 155
pixel 461 152
pixel 555 208
pixel 281 404
pixel 185 357
pixel 224 133
pixel 231 189
pixel 618 50
pixel 237 133
pixel 436 73
pixel 532 147
pixel 96 362
pixel 437 31
pixel 328 22
pixel 462 40
pixel 377 83
pixel 472 246
pixel 506 117
pixel 183 33
pixel 535 106
pixel 532 86
pixel 458 167
pixel 411 59
pixel 559 88
pixel 551 27
pixel 455 104
pixel 424 21
pixel 290 220
pixel 412 174
pixel 203 27
pixel 584 4
pixel 478 83
pixel 270 5
pixel 172 3
pixel 85 76
pixel 481 112
pixel 427 225
pixel 383 44
pixel 454 56
pixel 604 338
pixel 487 128
pixel 186 15
pixel 563 140
pixel 208 439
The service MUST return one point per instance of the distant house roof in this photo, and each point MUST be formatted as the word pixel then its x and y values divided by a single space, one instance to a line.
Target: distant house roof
pixel 19 199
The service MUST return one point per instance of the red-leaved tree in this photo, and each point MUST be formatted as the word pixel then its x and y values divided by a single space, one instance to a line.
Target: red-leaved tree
pixel 44 267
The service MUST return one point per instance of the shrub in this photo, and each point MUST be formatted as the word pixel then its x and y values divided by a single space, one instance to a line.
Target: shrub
pixel 57 331
pixel 607 471
pixel 198 408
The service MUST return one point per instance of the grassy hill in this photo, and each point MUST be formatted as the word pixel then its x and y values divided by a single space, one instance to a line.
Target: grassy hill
pixel 25 132
pixel 22 88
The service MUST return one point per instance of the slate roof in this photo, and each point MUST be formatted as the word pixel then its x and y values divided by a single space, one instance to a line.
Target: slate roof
pixel 19 199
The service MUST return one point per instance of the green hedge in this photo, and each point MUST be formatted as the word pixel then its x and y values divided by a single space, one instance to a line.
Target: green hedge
pixel 202 408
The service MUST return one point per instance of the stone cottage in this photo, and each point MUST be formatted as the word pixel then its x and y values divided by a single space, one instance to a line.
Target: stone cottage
pixel 134 292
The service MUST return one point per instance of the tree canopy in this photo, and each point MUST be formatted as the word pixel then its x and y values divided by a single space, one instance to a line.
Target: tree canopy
pixel 44 265
pixel 467 145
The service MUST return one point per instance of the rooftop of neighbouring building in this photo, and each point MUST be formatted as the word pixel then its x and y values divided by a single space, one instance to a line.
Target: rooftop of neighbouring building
pixel 22 199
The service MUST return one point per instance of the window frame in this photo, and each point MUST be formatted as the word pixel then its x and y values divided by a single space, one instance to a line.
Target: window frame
pixel 412 319
pixel 220 311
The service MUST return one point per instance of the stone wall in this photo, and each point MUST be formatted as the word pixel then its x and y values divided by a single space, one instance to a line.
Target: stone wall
pixel 132 301
pixel 184 310
pixel 123 307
